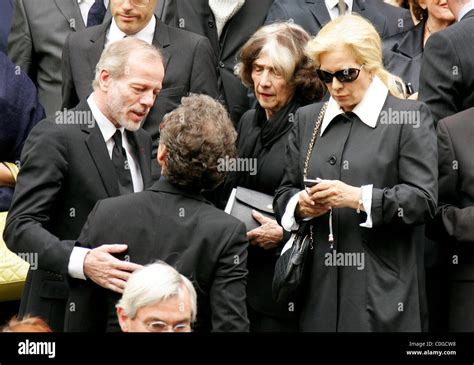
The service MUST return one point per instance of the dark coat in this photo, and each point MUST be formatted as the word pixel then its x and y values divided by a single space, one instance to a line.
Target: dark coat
pixel 184 230
pixel 403 55
pixel 188 60
pixel 400 161
pixel 266 142
pixel 453 226
pixel 20 111
pixel 6 11
pixel 196 16
pixel 447 72
pixel 312 15
pixel 65 170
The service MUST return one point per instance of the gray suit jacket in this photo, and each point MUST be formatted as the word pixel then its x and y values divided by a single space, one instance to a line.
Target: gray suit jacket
pixel 447 72
pixel 37 38
pixel 312 15
pixel 190 66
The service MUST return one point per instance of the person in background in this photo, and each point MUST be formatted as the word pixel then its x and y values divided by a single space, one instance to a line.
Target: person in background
pixel 313 15
pixel 37 38
pixel 403 52
pixel 379 186
pixel 228 25
pixel 157 298
pixel 274 65
pixel 447 71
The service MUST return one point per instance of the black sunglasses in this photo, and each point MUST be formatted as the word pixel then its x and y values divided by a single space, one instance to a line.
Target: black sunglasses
pixel 346 75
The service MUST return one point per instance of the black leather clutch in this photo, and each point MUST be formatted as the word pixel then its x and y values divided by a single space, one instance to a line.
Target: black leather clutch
pixel 242 201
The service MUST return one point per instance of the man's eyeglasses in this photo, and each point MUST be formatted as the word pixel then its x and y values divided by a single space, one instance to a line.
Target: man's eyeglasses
pixel 346 75
pixel 159 326
pixel 139 3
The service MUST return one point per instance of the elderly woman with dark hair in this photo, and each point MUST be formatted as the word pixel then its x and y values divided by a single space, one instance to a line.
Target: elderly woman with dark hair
pixel 376 155
pixel 273 63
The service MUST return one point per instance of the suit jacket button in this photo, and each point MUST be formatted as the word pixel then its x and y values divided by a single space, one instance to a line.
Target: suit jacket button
pixel 210 23
pixel 221 64
pixel 332 160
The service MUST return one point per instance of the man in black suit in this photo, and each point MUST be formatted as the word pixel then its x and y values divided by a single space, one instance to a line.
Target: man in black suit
pixel 447 71
pixel 188 59
pixel 173 222
pixel 453 226
pixel 312 15
pixel 71 161
pixel 227 28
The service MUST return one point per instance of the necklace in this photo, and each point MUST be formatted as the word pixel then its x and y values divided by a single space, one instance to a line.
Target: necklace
pixel 428 29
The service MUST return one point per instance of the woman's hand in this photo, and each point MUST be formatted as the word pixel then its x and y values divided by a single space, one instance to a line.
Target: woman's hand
pixel 6 177
pixel 335 194
pixel 308 208
pixel 268 235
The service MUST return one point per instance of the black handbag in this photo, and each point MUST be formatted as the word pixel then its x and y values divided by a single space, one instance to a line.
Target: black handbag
pixel 243 200
pixel 289 268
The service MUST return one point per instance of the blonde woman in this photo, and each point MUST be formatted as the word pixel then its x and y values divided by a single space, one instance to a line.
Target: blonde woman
pixel 376 155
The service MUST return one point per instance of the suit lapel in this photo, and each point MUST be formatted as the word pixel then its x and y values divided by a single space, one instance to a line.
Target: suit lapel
pixel 72 13
pixel 411 44
pixel 370 12
pixel 98 150
pixel 96 45
pixel 143 160
pixel 161 40
pixel 319 11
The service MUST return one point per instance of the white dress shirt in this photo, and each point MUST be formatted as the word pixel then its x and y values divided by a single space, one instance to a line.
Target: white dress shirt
pixel 146 34
pixel 76 260
pixel 86 5
pixel 368 110
pixel 333 10
pixel 466 9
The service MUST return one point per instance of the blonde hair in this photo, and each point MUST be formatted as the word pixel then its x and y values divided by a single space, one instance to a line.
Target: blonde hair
pixel 360 37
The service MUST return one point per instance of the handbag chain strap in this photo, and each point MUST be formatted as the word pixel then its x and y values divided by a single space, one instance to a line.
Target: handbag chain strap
pixel 317 127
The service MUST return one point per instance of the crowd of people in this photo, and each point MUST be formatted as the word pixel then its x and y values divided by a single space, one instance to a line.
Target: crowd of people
pixel 118 115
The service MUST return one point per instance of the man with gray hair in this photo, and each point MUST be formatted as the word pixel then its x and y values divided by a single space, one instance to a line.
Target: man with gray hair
pixel 157 298
pixel 71 161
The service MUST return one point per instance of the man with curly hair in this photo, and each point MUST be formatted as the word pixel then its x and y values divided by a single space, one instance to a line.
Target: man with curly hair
pixel 173 222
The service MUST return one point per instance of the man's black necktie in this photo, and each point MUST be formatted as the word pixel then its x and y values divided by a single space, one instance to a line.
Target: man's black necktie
pixel 119 159
pixel 96 13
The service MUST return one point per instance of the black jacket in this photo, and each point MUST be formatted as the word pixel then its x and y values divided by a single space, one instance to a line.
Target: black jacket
pixel 65 170
pixel 184 230
pixel 400 161
pixel 447 72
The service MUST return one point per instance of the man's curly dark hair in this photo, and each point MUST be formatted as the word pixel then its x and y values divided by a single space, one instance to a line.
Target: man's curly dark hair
pixel 198 135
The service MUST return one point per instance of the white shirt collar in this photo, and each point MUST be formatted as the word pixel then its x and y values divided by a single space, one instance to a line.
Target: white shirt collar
pixel 146 34
pixel 368 110
pixel 466 9
pixel 106 126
